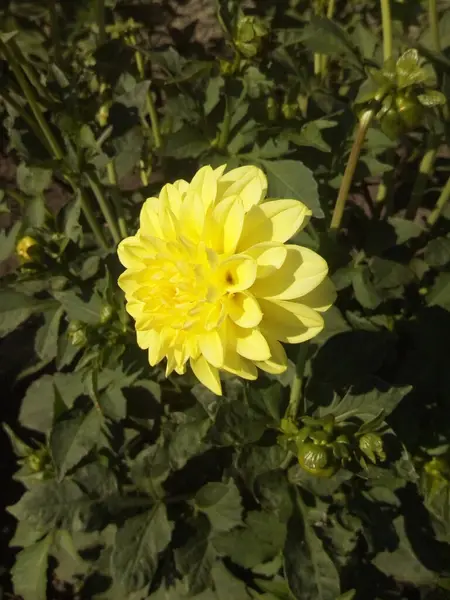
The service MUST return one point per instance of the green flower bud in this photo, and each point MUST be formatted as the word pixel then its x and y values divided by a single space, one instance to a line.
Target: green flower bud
pixel 438 467
pixel 272 109
pixel 77 333
pixel 250 32
pixel 316 460
pixel 106 313
pixel 37 460
pixel 289 110
pixel 371 445
pixel 410 111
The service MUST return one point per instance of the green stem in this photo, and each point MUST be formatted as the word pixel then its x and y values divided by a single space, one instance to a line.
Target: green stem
pixel 226 124
pixel 20 110
pixel 434 24
pixel 324 58
pixel 100 17
pixel 363 126
pixel 297 382
pixel 54 26
pixel 425 171
pixel 441 203
pixel 112 176
pixel 27 68
pixel 105 208
pixel 51 140
pixel 151 109
pixel 386 22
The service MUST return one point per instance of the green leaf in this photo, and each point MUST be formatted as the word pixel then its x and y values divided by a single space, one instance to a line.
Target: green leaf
pixel 405 230
pixel 71 218
pixel 261 540
pixel 137 546
pixel 325 36
pixel 33 180
pixel 365 291
pixel 35 211
pixel 46 341
pixel 227 586
pixel 221 502
pixel 72 437
pixel 309 570
pixel 29 573
pixel 150 469
pixel 77 309
pixel 437 252
pixel 291 179
pixel 47 505
pixel 317 485
pixel 8 240
pixel 15 308
pixel 195 558
pixel 388 274
pixel 432 98
pixel 188 142
pixel 402 563
pixel 439 294
pixel 367 405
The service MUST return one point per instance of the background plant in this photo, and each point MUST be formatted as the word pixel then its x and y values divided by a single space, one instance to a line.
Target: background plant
pixel 330 481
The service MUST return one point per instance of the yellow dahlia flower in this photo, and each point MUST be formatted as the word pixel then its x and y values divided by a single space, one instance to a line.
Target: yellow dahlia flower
pixel 209 279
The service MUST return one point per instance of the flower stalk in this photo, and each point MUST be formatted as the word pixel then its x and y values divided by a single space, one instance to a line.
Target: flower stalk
pixel 105 208
pixel 386 23
pixel 441 203
pixel 292 411
pixel 363 126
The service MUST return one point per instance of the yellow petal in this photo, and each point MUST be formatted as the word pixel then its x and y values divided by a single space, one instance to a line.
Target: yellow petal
pixel 192 216
pixel 237 273
pixel 133 251
pixel 274 221
pixel 218 172
pixel 145 338
pixel 322 297
pixel 248 182
pixel 302 271
pixel 249 343
pixel 269 257
pixel 233 363
pixel 244 310
pixel 212 347
pixel 171 197
pixel 204 183
pixel 159 346
pixel 289 321
pixel 232 226
pixel 206 374
pixel 182 186
pixel 277 363
pixel 149 218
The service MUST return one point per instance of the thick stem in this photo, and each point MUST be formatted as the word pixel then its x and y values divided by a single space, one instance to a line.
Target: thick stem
pixel 434 24
pixel 297 382
pixel 226 124
pixel 425 171
pixel 386 23
pixel 358 142
pixel 105 208
pixel 441 203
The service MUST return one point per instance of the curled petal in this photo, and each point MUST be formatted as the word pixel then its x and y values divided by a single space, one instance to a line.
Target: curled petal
pixel 277 363
pixel 207 374
pixel 248 182
pixel 211 346
pixel 204 184
pixel 239 366
pixel 322 297
pixel 244 310
pixel 289 322
pixel 269 257
pixel 273 221
pixel 249 343
pixel 237 273
pixel 302 271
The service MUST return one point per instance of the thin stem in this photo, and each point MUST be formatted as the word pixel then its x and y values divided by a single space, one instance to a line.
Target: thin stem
pixel 434 24
pixel 51 140
pixel 105 208
pixel 226 124
pixel 324 58
pixel 425 171
pixel 386 22
pixel 20 110
pixel 112 176
pixel 297 382
pixel 100 17
pixel 54 26
pixel 364 123
pixel 441 203
pixel 151 109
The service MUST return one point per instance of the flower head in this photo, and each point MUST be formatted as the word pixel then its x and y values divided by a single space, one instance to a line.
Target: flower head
pixel 24 248
pixel 209 279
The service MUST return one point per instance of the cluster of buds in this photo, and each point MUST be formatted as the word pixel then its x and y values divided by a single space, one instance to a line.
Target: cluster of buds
pixel 250 33
pixel 323 445
pixel 401 93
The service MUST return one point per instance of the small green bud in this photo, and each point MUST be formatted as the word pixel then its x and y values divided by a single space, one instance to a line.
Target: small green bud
pixel 37 460
pixel 77 333
pixel 289 110
pixel 272 109
pixel 316 460
pixel 371 445
pixel 106 313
